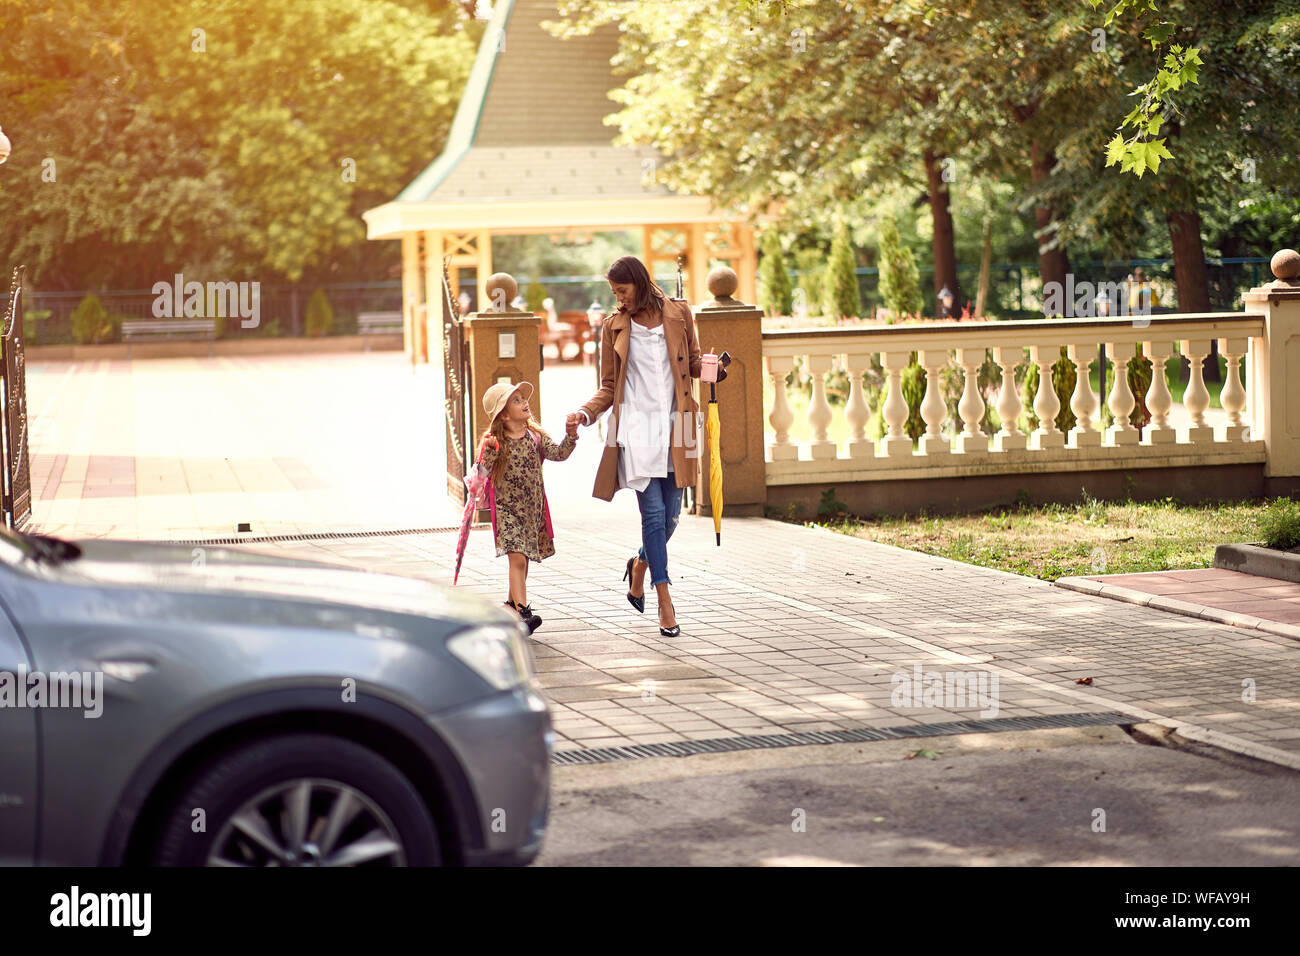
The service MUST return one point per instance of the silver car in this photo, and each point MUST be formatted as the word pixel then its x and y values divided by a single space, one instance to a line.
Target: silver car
pixel 174 706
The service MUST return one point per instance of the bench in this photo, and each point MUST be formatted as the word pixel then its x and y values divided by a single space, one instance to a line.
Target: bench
pixel 379 323
pixel 190 329
pixel 571 328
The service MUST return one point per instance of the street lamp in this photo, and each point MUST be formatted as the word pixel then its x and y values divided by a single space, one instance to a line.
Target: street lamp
pixel 4 146
pixel 945 303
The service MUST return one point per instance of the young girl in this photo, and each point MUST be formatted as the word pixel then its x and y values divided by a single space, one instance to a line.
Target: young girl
pixel 512 450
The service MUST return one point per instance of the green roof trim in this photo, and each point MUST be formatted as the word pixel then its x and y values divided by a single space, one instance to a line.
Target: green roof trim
pixel 464 126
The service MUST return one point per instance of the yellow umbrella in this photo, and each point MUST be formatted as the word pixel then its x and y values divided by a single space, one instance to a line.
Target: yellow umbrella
pixel 715 467
pixel 714 427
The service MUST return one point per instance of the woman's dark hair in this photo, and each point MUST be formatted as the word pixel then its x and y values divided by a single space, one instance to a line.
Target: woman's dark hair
pixel 629 270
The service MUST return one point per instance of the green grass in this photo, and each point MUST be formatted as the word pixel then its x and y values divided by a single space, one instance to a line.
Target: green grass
pixel 1089 537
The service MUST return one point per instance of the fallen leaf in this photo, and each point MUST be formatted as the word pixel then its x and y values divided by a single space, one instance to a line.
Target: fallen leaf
pixel 1084 680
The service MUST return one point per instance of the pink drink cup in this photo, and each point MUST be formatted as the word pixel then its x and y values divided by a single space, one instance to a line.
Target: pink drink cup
pixel 708 367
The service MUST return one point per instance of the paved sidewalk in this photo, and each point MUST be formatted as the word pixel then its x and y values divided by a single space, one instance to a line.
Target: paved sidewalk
pixel 789 629
pixel 784 628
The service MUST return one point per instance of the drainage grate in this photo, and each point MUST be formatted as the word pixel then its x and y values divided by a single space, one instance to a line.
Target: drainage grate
pixel 685 748
pixel 311 536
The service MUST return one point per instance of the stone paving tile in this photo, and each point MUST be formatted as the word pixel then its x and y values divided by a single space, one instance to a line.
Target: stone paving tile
pixel 768 642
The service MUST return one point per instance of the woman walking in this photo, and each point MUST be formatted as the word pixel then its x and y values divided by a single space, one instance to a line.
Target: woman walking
pixel 648 356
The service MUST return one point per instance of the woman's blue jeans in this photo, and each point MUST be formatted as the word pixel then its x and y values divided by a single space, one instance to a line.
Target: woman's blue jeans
pixel 661 506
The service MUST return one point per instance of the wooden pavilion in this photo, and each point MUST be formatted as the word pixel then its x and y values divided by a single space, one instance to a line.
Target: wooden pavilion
pixel 529 152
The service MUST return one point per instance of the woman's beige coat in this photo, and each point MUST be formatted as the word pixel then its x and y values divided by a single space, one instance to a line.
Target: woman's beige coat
pixel 684 356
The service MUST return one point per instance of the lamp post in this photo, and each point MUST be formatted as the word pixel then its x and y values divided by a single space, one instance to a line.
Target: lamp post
pixel 945 303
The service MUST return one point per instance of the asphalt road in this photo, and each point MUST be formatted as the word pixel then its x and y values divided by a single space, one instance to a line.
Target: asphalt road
pixel 1034 798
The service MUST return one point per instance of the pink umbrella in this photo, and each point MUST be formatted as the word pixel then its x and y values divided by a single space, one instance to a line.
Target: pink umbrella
pixel 477 483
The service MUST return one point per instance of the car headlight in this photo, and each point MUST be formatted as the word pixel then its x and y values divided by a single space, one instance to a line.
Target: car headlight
pixel 495 652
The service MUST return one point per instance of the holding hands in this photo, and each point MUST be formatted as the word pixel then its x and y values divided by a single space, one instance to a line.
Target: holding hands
pixel 572 422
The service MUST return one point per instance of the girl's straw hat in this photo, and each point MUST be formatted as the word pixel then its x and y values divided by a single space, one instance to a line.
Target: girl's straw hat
pixel 498 396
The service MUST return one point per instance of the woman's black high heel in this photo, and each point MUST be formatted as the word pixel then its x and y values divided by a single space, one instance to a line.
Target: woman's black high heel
pixel 636 602
pixel 673 631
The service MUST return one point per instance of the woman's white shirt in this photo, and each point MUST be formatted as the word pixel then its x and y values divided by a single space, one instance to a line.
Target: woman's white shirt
pixel 649 401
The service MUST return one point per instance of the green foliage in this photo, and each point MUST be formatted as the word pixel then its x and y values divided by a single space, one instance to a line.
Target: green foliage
pixel 913 382
pixel 830 506
pixel 1279 525
pixel 775 293
pixel 1179 68
pixel 535 295
pixel 90 322
pixel 900 284
pixel 1064 378
pixel 249 151
pixel 320 316
pixel 843 300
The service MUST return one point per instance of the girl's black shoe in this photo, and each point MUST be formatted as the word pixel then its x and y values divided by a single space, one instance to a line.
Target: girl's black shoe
pixel 636 602
pixel 525 612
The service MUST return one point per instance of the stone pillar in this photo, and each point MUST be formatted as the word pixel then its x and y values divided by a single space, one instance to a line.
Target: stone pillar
pixel 1273 418
pixel 725 324
pixel 411 292
pixel 504 346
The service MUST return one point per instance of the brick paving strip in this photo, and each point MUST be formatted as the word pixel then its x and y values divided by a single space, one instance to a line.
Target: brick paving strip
pixel 788 629
pixel 1215 594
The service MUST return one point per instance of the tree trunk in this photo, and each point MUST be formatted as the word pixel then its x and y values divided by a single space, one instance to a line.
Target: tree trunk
pixel 986 262
pixel 944 249
pixel 1052 263
pixel 1190 273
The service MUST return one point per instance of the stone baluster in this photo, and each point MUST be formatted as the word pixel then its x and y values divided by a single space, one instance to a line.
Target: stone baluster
pixel 820 415
pixel 1046 403
pixel 1084 401
pixel 1009 437
pixel 1196 397
pixel 896 442
pixel 1159 401
pixel 971 440
pixel 1233 396
pixel 856 411
pixel 782 415
pixel 1121 400
pixel 933 410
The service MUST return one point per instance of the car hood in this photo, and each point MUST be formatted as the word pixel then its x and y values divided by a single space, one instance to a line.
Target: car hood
pixel 251 574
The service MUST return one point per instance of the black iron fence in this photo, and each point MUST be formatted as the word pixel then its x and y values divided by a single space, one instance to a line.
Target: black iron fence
pixel 1015 290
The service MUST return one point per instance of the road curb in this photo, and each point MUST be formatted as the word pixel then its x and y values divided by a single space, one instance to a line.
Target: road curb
pixel 1186 608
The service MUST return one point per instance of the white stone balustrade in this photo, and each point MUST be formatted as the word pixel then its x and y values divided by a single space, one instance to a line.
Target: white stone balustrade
pixel 962 447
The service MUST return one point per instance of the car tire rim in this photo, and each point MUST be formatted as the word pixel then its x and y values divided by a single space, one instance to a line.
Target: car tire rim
pixel 308 822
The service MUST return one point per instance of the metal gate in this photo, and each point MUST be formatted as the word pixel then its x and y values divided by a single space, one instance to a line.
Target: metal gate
pixel 17 497
pixel 455 355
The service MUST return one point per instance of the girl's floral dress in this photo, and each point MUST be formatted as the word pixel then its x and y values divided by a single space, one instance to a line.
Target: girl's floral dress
pixel 521 513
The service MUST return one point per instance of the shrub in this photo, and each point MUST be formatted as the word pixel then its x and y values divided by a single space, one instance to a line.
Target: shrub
pixel 775 294
pixel 1279 524
pixel 90 322
pixel 900 283
pixel 1064 377
pixel 320 317
pixel 535 295
pixel 843 300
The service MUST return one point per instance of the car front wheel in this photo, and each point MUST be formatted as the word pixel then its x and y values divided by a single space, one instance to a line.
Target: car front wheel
pixel 299 800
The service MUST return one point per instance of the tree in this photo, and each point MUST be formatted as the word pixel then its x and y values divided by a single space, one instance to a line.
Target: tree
pixel 844 300
pixel 899 282
pixel 775 293
pixel 320 316
pixel 241 141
